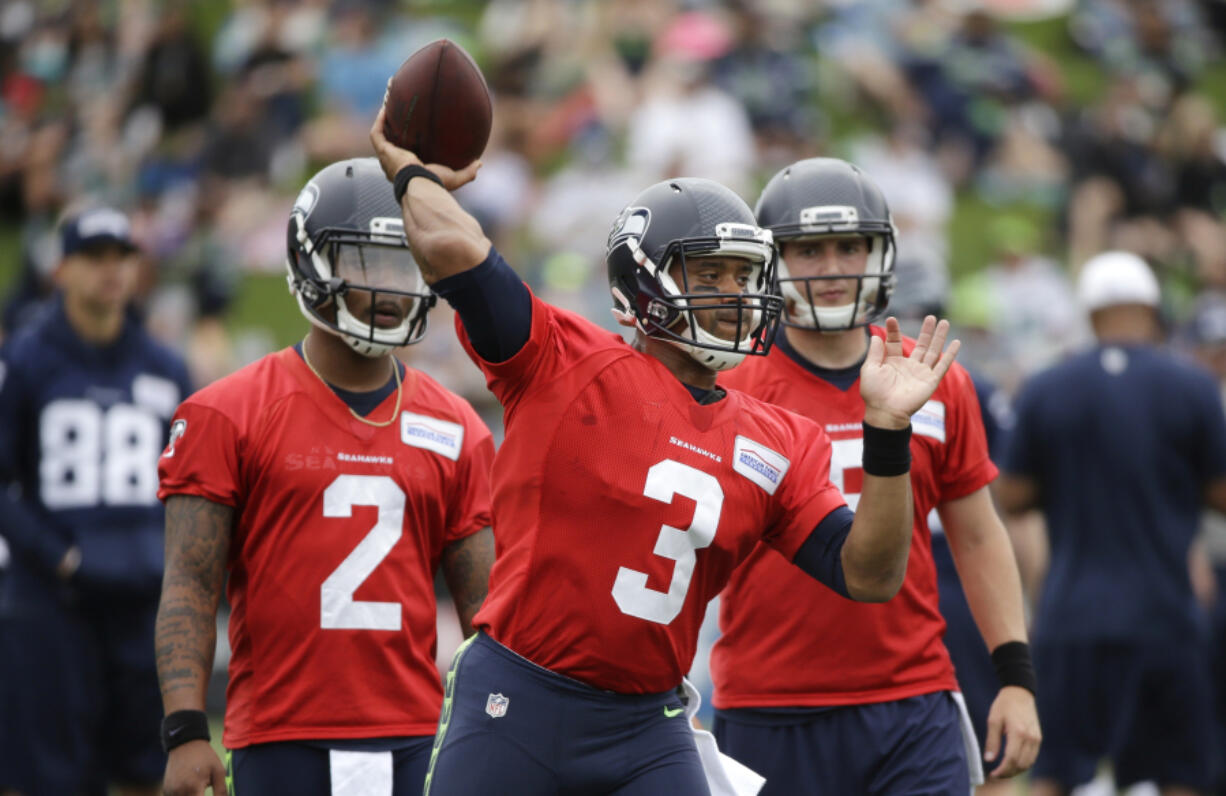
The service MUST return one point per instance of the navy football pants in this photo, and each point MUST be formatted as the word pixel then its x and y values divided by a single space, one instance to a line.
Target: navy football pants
pixel 513 728
pixel 310 769
pixel 905 748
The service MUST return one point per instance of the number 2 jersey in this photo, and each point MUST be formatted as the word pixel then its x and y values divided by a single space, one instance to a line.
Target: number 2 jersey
pixel 339 528
pixel 622 505
pixel 81 427
pixel 787 643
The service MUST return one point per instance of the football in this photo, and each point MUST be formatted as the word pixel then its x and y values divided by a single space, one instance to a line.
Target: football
pixel 438 106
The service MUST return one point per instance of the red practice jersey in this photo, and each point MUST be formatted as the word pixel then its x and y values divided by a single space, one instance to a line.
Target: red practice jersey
pixel 788 641
pixel 621 505
pixel 339 529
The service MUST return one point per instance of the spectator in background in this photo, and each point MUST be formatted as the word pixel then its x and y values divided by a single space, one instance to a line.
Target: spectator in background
pixel 768 73
pixel 352 69
pixel 968 86
pixel 685 124
pixel 174 77
pixel 85 403
pixel 1030 301
pixel 1119 186
pixel 1120 447
pixel 1166 41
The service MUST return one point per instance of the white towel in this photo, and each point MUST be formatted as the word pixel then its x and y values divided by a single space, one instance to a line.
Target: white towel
pixel 360 773
pixel 974 760
pixel 725 776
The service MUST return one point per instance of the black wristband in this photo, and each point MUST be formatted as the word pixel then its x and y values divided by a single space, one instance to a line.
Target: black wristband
pixel 887 452
pixel 1013 665
pixel 182 726
pixel 401 183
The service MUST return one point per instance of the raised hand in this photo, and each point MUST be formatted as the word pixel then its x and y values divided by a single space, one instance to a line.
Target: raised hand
pixel 894 386
pixel 392 158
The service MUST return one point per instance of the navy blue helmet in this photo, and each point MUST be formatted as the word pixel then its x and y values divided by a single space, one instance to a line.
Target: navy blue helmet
pixel 684 218
pixel 828 196
pixel 345 235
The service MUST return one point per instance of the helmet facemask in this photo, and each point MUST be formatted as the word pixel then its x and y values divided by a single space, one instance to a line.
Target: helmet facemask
pixel 873 286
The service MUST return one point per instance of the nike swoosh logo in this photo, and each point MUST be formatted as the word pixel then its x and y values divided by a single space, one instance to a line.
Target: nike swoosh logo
pixel 671 712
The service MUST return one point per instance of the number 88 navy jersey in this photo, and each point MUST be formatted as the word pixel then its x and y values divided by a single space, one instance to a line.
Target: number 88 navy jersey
pixel 81 429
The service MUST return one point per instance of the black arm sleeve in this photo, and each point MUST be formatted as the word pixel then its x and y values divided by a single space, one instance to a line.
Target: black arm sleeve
pixel 821 555
pixel 493 304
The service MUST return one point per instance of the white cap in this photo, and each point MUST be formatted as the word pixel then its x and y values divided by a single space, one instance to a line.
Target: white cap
pixel 1114 278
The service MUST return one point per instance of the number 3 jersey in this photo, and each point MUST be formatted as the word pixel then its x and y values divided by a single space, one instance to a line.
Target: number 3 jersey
pixel 81 427
pixel 786 643
pixel 339 528
pixel 622 505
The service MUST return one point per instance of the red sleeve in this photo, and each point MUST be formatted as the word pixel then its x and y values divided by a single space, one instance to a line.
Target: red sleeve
pixel 201 458
pixel 806 494
pixel 469 507
pixel 557 339
pixel 967 467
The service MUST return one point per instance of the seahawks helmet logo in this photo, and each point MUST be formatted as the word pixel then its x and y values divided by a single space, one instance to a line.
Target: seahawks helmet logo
pixel 633 221
pixel 307 198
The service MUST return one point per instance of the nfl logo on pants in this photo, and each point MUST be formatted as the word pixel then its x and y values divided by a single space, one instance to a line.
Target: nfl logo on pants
pixel 496 705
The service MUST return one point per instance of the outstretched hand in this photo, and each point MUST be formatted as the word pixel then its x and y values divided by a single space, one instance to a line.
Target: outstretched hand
pixel 393 158
pixel 893 385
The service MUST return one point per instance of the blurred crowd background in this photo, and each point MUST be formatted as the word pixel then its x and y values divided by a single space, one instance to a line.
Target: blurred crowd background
pixel 1013 139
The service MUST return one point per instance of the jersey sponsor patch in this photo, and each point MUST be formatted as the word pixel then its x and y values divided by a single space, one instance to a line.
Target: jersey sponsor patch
pixel 156 394
pixel 930 420
pixel 759 463
pixel 430 433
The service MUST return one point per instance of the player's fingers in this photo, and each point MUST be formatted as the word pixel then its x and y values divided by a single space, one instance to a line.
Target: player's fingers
pixel 378 140
pixel 1008 763
pixel 467 174
pixel 218 781
pixel 893 337
pixel 947 358
pixel 940 332
pixel 876 351
pixel 1031 739
pixel 991 744
pixel 924 339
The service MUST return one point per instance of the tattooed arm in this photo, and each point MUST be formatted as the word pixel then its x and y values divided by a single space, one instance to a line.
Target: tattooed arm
pixel 197 543
pixel 466 567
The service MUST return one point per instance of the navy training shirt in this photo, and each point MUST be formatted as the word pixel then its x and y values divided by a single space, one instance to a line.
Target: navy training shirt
pixel 81 430
pixel 1121 441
